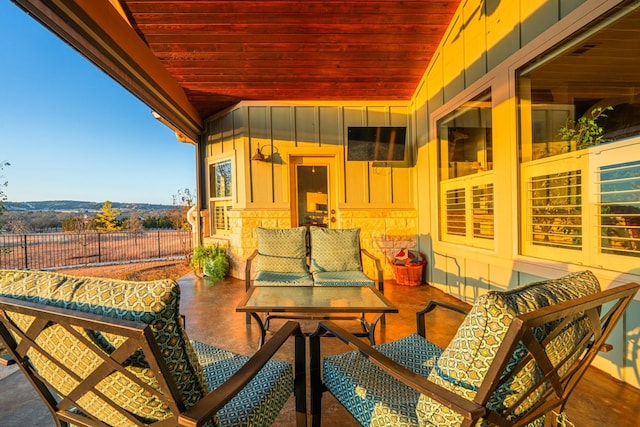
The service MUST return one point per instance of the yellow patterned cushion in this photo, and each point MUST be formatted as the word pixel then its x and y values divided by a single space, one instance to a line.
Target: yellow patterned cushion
pixel 282 250
pixel 335 249
pixel 463 365
pixel 154 303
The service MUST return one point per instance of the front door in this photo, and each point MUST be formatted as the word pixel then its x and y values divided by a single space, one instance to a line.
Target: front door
pixel 313 202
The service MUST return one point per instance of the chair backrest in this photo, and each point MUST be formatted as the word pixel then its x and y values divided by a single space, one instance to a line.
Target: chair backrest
pixel 335 249
pixel 113 351
pixel 491 361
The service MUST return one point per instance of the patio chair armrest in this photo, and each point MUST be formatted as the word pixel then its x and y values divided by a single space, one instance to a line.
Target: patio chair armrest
pixel 216 399
pixel 7 360
pixel 420 323
pixel 467 408
pixel 247 269
pixel 376 260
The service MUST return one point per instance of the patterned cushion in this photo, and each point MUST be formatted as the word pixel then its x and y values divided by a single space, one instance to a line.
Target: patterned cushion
pixel 341 278
pixel 282 250
pixel 268 278
pixel 273 384
pixel 335 249
pixel 154 303
pixel 465 362
pixel 371 395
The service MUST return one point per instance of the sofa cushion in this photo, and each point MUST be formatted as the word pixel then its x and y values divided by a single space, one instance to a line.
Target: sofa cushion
pixel 335 249
pixel 341 278
pixel 270 278
pixel 463 365
pixel 154 303
pixel 282 250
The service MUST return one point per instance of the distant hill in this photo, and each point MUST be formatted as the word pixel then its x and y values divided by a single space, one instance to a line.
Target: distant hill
pixel 79 206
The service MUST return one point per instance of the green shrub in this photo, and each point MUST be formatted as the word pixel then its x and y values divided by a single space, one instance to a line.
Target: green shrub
pixel 211 260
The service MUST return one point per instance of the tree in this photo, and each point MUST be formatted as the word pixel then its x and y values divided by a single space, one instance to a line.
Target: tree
pixel 107 218
pixel 182 202
pixel 3 196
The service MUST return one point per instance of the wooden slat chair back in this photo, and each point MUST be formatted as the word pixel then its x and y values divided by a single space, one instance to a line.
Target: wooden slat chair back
pixel 517 356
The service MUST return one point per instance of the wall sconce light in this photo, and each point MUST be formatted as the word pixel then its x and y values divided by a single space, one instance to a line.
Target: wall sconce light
pixel 258 156
pixel 274 157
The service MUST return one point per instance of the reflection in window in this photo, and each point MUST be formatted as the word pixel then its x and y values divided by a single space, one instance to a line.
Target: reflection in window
pixel 465 153
pixel 220 193
pixel 593 69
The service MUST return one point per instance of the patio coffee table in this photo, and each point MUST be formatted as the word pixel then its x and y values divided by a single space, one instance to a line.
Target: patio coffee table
pixel 316 302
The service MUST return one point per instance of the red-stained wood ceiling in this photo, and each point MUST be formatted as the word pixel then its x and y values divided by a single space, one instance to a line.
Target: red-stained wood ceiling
pixel 223 52
pixel 190 59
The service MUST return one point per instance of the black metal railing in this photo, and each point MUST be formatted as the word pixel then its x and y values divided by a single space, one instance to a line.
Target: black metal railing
pixel 51 250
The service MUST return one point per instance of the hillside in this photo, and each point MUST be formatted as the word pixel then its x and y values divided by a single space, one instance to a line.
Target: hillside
pixel 80 206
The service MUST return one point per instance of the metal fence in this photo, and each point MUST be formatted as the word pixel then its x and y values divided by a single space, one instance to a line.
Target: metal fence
pixel 52 250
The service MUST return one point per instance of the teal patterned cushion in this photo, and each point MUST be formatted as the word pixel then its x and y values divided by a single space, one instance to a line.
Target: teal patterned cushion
pixel 270 278
pixel 341 278
pixel 155 303
pixel 282 250
pixel 371 395
pixel 335 249
pixel 463 365
pixel 260 400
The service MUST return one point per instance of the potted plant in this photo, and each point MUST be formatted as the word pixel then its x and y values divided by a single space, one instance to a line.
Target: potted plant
pixel 212 261
pixel 585 132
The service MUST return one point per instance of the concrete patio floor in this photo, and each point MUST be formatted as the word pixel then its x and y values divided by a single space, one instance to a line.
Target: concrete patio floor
pixel 599 400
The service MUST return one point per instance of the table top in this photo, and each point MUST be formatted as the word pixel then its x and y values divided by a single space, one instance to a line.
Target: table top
pixel 316 299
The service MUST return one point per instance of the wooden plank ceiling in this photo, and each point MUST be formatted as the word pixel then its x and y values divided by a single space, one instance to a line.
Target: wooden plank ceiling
pixel 223 52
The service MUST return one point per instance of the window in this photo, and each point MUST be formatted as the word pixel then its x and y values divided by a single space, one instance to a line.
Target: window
pixel 581 202
pixel 220 193
pixel 465 153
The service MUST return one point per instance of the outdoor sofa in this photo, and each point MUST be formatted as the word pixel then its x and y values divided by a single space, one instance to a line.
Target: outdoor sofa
pixel 315 257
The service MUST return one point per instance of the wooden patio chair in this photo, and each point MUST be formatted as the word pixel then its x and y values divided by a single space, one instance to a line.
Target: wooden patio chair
pixel 517 356
pixel 107 352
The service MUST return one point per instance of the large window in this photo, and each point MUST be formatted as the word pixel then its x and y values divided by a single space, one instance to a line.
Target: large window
pixel 220 193
pixel 465 165
pixel 581 196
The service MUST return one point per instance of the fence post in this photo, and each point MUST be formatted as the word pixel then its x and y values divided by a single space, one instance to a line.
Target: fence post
pixel 26 259
pixel 159 254
pixel 99 249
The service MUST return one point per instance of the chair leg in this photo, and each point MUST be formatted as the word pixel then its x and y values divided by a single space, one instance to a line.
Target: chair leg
pixel 315 379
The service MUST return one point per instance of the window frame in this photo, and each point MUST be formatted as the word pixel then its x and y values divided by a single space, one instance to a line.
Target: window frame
pixel 225 201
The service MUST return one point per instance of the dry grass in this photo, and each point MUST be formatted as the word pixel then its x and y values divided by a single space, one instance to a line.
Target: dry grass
pixel 139 271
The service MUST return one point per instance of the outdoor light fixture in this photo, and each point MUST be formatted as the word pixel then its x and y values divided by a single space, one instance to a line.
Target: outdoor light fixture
pixel 274 157
pixel 258 155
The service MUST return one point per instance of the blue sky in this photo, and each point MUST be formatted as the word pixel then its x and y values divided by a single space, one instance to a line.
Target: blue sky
pixel 71 132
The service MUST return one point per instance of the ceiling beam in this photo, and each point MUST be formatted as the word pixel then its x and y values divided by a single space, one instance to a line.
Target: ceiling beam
pixel 102 35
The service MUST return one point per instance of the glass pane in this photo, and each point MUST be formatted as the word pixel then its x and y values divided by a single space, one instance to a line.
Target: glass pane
pixel 464 139
pixel 620 209
pixel 313 195
pixel 221 180
pixel 566 87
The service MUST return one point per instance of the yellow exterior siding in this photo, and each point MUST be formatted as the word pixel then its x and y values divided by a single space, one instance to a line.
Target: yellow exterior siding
pixel 375 197
pixel 492 39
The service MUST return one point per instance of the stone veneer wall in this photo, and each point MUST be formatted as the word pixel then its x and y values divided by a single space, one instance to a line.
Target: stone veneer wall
pixel 382 232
